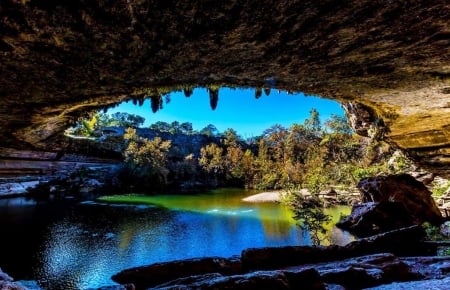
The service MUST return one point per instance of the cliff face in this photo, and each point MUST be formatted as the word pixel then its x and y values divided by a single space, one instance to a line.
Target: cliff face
pixel 61 58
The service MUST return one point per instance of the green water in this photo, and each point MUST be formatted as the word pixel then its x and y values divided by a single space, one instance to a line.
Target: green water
pixel 276 218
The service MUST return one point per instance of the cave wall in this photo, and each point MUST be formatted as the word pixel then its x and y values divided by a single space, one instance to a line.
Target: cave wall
pixel 60 58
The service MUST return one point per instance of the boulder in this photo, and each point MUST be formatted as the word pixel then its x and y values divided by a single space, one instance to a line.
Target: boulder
pixel 367 271
pixel 151 275
pixel 401 242
pixel 405 189
pixel 301 267
pixel 367 219
pixel 278 279
pixel 390 202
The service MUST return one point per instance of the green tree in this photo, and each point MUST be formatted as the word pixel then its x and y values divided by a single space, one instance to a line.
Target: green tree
pixel 275 136
pixel 338 124
pixel 210 130
pixel 310 216
pixel 160 126
pixel 122 119
pixel 147 157
pixel 312 124
pixel 186 128
pixel 231 138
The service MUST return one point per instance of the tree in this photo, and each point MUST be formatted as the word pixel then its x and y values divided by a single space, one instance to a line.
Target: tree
pixel 310 216
pixel 160 126
pixel 234 162
pixel 186 128
pixel 231 137
pixel 275 137
pixel 210 130
pixel 175 128
pixel 86 126
pixel 211 158
pixel 122 119
pixel 338 124
pixel 103 120
pixel 312 124
pixel 147 157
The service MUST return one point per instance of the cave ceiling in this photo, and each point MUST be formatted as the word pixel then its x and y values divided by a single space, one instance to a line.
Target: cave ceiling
pixel 59 59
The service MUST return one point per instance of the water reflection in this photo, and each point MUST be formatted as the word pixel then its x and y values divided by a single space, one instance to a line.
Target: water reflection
pixel 81 246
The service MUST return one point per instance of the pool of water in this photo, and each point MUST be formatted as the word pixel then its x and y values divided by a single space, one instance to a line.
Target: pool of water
pixel 80 246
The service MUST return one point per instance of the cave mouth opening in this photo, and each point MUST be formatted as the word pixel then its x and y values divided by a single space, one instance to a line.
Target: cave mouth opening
pixel 248 111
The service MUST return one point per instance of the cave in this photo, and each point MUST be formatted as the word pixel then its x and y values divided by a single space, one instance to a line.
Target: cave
pixel 59 60
pixel 387 62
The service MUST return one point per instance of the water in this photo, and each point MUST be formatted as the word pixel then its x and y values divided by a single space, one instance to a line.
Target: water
pixel 80 246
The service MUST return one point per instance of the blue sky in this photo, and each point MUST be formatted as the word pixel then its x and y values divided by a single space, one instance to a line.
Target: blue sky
pixel 237 109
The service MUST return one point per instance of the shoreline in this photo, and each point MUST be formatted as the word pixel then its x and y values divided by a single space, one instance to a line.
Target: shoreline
pixel 268 196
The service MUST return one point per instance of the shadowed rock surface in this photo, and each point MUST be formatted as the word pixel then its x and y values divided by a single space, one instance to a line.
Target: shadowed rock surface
pixel 390 202
pixel 369 262
pixel 59 59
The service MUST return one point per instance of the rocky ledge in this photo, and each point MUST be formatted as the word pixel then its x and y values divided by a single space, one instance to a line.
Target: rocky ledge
pixel 369 262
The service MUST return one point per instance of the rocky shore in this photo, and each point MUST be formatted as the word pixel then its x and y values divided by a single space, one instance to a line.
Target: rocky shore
pixel 398 256
pixel 394 250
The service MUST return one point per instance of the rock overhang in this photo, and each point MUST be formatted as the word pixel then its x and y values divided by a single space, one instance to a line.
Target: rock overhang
pixel 60 59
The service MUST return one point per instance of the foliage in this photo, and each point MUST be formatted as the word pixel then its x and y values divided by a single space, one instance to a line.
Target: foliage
pixel 439 189
pixel 210 130
pixel 432 233
pixel 87 126
pixel 147 157
pixel 310 216
pixel 173 128
pixel 310 155
pixel 373 170
pixel 121 119
pixel 211 158
pixel 338 124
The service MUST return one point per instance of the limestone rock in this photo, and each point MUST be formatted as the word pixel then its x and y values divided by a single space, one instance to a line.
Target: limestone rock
pixel 405 189
pixel 390 202
pixel 304 279
pixel 151 275
pixel 61 59
pixel 367 219
pixel 445 229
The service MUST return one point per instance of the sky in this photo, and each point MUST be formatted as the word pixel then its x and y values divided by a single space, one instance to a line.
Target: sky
pixel 237 109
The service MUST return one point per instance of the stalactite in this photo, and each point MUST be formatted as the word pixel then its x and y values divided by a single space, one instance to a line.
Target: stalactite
pixel 258 93
pixel 188 92
pixel 213 97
